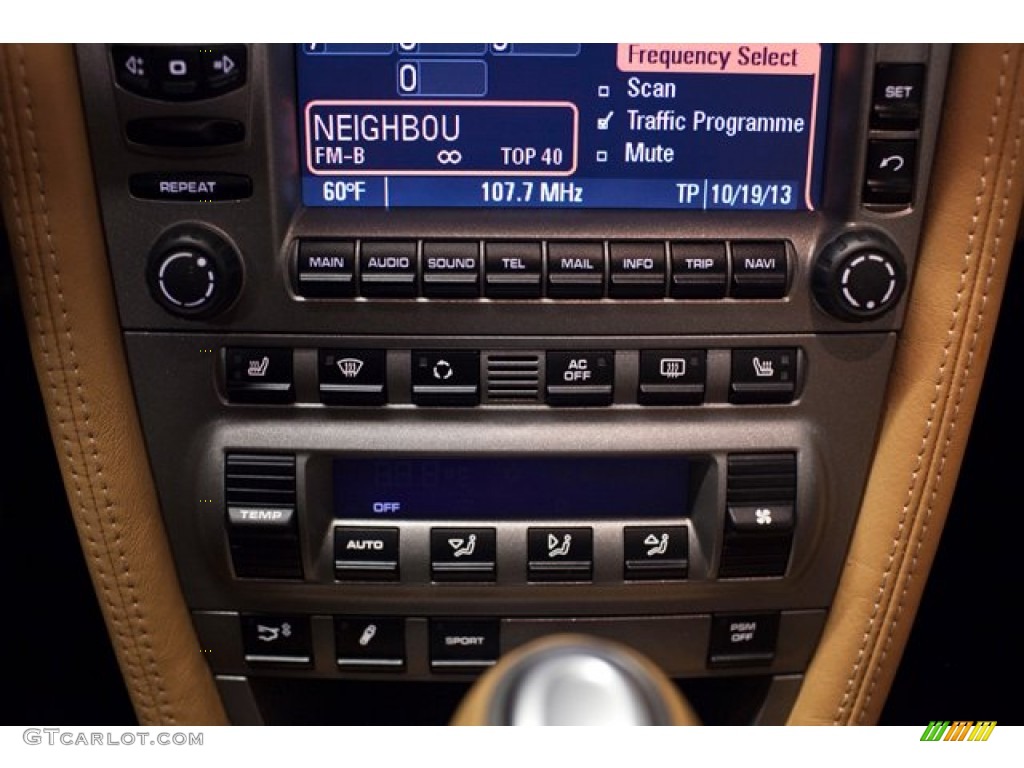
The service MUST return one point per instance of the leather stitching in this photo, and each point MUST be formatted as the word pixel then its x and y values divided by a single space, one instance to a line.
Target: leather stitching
pixel 845 706
pixel 62 418
pixel 951 429
pixel 125 582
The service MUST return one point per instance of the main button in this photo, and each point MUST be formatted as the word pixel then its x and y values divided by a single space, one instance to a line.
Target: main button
pixel 575 270
pixel 326 268
pixel 259 375
pixel 513 270
pixel 637 270
pixel 366 554
pixel 743 639
pixel 387 270
pixel 463 645
pixel 451 270
pixel 446 378
pixel 699 270
pixel 672 376
pixel 462 554
pixel 560 554
pixel 763 376
pixel 352 376
pixel 369 644
pixel 190 187
pixel 760 270
pixel 580 378
pixel 655 552
pixel 277 641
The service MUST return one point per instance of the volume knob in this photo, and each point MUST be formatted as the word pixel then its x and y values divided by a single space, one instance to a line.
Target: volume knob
pixel 194 272
pixel 859 276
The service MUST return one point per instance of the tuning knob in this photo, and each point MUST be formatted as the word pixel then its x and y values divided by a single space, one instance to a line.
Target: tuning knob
pixel 194 272
pixel 859 276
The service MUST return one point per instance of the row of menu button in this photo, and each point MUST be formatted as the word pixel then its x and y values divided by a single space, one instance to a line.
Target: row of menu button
pixel 756 269
pixel 470 554
pixel 465 645
pixel 358 377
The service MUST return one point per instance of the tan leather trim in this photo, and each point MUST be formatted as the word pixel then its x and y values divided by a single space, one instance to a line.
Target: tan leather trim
pixel 475 707
pixel 973 210
pixel 57 244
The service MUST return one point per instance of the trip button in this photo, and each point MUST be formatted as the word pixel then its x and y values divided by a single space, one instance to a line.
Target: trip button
pixel 580 378
pixel 369 644
pixel 366 554
pixel 326 269
pixel 760 270
pixel 672 376
pixel 575 270
pixel 462 554
pixel 259 375
pixel 889 178
pixel 743 639
pixel 463 646
pixel 898 91
pixel 388 269
pixel 513 270
pixel 352 376
pixel 451 270
pixel 699 270
pixel 277 641
pixel 653 552
pixel 763 376
pixel 637 270
pixel 446 378
pixel 134 68
pixel 560 554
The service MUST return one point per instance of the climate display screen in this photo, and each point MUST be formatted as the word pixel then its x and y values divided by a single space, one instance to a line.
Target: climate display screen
pixel 511 488
pixel 573 125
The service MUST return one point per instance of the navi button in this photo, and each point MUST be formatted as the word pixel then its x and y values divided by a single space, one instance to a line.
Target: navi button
pixel 760 270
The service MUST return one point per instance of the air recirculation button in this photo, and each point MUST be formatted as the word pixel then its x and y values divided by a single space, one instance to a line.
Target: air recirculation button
pixel 859 276
pixel 194 272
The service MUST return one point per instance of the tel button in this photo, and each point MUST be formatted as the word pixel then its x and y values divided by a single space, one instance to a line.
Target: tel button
pixel 366 554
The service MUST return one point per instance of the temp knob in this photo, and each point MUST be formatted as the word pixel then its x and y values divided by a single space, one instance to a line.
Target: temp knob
pixel 194 272
pixel 859 276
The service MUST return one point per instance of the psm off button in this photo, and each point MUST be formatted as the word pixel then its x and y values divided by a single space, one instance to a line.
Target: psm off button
pixel 463 646
pixel 190 187
pixel 743 639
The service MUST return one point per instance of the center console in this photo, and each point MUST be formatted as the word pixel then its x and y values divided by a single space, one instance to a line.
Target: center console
pixel 440 349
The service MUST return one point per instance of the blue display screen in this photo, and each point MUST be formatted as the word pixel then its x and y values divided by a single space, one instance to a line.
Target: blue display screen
pixel 511 488
pixel 573 125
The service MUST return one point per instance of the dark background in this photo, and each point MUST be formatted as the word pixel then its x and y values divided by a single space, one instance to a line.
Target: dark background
pixel 962 661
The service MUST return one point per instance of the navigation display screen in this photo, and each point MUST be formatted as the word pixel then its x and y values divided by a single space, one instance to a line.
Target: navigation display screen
pixel 566 125
pixel 511 488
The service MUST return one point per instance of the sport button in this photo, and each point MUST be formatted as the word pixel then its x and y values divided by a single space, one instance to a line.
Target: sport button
pixel 463 646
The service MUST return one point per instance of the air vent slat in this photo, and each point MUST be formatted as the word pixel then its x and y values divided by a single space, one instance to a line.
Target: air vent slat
pixel 513 377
